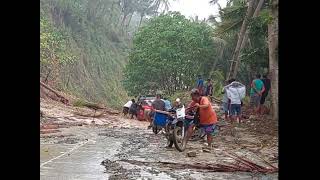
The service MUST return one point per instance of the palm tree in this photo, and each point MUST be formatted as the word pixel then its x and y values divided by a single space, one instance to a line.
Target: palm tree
pixel 235 56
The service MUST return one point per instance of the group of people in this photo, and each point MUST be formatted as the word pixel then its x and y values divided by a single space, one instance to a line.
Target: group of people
pixel 206 118
pixel 131 107
pixel 234 92
pixel 204 89
pixel 148 107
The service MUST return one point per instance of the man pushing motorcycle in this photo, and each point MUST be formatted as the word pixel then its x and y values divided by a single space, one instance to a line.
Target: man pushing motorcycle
pixel 207 117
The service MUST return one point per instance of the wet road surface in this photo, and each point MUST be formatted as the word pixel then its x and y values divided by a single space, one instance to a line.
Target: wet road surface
pixel 123 153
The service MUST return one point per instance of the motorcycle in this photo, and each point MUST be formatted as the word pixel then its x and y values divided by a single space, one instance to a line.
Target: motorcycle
pixel 173 124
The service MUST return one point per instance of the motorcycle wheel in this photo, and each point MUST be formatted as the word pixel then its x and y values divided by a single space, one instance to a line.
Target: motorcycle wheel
pixel 178 138
pixel 197 135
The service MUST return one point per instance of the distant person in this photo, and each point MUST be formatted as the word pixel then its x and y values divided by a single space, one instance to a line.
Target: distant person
pixel 257 88
pixel 200 85
pixel 167 104
pixel 127 106
pixel 157 104
pixel 209 88
pixel 235 92
pixel 133 111
pixel 147 110
pixel 177 104
pixel 267 85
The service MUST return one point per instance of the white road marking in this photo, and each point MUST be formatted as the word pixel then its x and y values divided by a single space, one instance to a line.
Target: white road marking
pixel 74 148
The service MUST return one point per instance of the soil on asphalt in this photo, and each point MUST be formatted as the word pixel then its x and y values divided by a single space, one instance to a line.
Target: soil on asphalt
pixel 114 147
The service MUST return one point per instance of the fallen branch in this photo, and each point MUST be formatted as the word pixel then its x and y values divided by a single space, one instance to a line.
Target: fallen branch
pixel 209 167
pixel 252 165
pixel 62 99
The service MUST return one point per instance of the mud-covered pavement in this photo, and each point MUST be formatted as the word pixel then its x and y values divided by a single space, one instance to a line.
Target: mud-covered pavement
pixel 118 148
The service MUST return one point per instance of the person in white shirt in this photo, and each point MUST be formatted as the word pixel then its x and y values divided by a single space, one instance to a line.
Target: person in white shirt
pixel 235 92
pixel 127 106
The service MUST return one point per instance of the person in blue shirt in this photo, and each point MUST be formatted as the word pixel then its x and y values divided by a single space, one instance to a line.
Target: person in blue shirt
pixel 200 85
pixel 167 104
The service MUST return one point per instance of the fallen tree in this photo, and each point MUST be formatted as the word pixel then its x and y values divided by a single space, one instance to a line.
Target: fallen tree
pixel 62 98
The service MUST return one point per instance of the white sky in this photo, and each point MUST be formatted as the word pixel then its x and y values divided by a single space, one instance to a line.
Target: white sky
pixel 201 8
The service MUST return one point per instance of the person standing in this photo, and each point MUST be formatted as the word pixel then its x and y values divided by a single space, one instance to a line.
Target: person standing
pixel 267 84
pixel 157 104
pixel 235 92
pixel 146 110
pixel 167 104
pixel 207 117
pixel 200 85
pixel 133 110
pixel 209 88
pixel 257 88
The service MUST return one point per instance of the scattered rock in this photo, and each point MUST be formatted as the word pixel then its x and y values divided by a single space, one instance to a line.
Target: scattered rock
pixel 191 154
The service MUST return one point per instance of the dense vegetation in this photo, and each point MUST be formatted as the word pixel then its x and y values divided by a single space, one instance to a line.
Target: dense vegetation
pixel 86 44
pixel 168 54
pixel 170 51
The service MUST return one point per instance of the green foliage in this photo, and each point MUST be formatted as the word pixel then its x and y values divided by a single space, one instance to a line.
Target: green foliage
pixel 88 47
pixel 254 57
pixel 168 53
pixel 79 103
pixel 218 83
pixel 53 46
pixel 184 97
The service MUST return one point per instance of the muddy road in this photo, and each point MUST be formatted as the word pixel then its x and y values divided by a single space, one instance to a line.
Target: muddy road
pixel 116 148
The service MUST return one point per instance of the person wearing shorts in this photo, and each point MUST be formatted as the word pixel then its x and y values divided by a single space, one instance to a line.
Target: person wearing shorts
pixel 235 111
pixel 257 88
pixel 207 116
pixel 235 91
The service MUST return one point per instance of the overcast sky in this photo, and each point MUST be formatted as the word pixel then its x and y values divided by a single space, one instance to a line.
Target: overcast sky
pixel 201 8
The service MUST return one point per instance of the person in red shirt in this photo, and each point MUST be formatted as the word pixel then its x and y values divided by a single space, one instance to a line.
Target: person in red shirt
pixel 207 116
